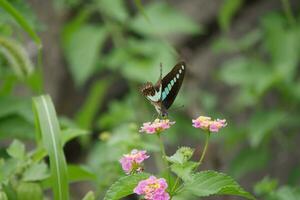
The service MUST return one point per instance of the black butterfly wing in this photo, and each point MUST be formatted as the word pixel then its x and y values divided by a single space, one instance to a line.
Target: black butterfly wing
pixel 171 84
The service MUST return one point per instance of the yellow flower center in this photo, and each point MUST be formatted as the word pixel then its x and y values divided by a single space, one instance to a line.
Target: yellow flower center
pixel 203 118
pixel 152 187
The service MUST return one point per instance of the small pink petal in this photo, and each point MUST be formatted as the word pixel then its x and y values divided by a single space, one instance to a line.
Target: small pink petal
pixel 206 123
pixel 133 161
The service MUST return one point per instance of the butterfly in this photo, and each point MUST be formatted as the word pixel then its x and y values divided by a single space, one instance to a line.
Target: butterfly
pixel 163 93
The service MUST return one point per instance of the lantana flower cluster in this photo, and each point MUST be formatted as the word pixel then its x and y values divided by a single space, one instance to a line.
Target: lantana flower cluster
pixel 157 126
pixel 206 123
pixel 133 162
pixel 153 189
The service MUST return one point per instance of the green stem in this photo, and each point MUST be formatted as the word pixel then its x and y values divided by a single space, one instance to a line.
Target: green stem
pixel 179 189
pixel 176 190
pixel 174 186
pixel 288 12
pixel 205 148
pixel 162 148
pixel 157 158
pixel 163 152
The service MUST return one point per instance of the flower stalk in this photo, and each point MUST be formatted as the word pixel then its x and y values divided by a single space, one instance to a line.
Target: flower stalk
pixel 164 156
pixel 204 149
pixel 173 190
pixel 288 12
pixel 162 147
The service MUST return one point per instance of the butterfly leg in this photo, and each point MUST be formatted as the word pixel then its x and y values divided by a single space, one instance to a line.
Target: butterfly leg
pixel 158 116
pixel 155 116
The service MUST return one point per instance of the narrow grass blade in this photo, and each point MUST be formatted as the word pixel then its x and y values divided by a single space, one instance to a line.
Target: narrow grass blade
pixel 21 20
pixel 139 5
pixel 86 114
pixel 49 133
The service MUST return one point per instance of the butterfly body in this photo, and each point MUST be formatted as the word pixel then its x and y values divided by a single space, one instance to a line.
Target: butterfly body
pixel 163 93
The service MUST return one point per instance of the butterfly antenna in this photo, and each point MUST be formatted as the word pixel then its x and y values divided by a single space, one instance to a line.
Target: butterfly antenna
pixel 160 77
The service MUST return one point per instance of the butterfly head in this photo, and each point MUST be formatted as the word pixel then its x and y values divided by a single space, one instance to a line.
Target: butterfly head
pixel 164 113
pixel 148 89
pixel 153 94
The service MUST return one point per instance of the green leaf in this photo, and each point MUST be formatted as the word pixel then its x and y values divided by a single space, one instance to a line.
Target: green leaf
pixel 142 57
pixel 82 51
pixel 118 111
pixel 184 171
pixel 184 196
pixel 182 155
pixel 87 112
pixel 115 9
pixel 21 20
pixel 29 191
pixel 10 191
pixel 16 106
pixel 253 76
pixel 8 83
pixel 8 168
pixel 17 57
pixel 164 20
pixel 244 71
pixel 80 173
pixel 17 119
pixel 283 45
pixel 76 173
pixel 265 186
pixel 38 154
pixel 72 133
pixel 234 45
pixel 124 186
pixel 208 183
pixel 16 150
pixel 287 193
pixel 75 24
pixel 35 81
pixel 286 65
pixel 228 10
pixel 16 127
pixel 49 131
pixel 36 172
pixel 294 175
pixel 3 196
pixel 89 196
pixel 264 123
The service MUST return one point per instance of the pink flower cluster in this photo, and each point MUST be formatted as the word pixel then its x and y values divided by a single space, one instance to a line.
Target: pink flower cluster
pixel 133 162
pixel 153 189
pixel 206 123
pixel 157 126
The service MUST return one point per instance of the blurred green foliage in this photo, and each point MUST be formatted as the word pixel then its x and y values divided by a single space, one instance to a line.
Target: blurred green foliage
pixel 268 189
pixel 264 75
